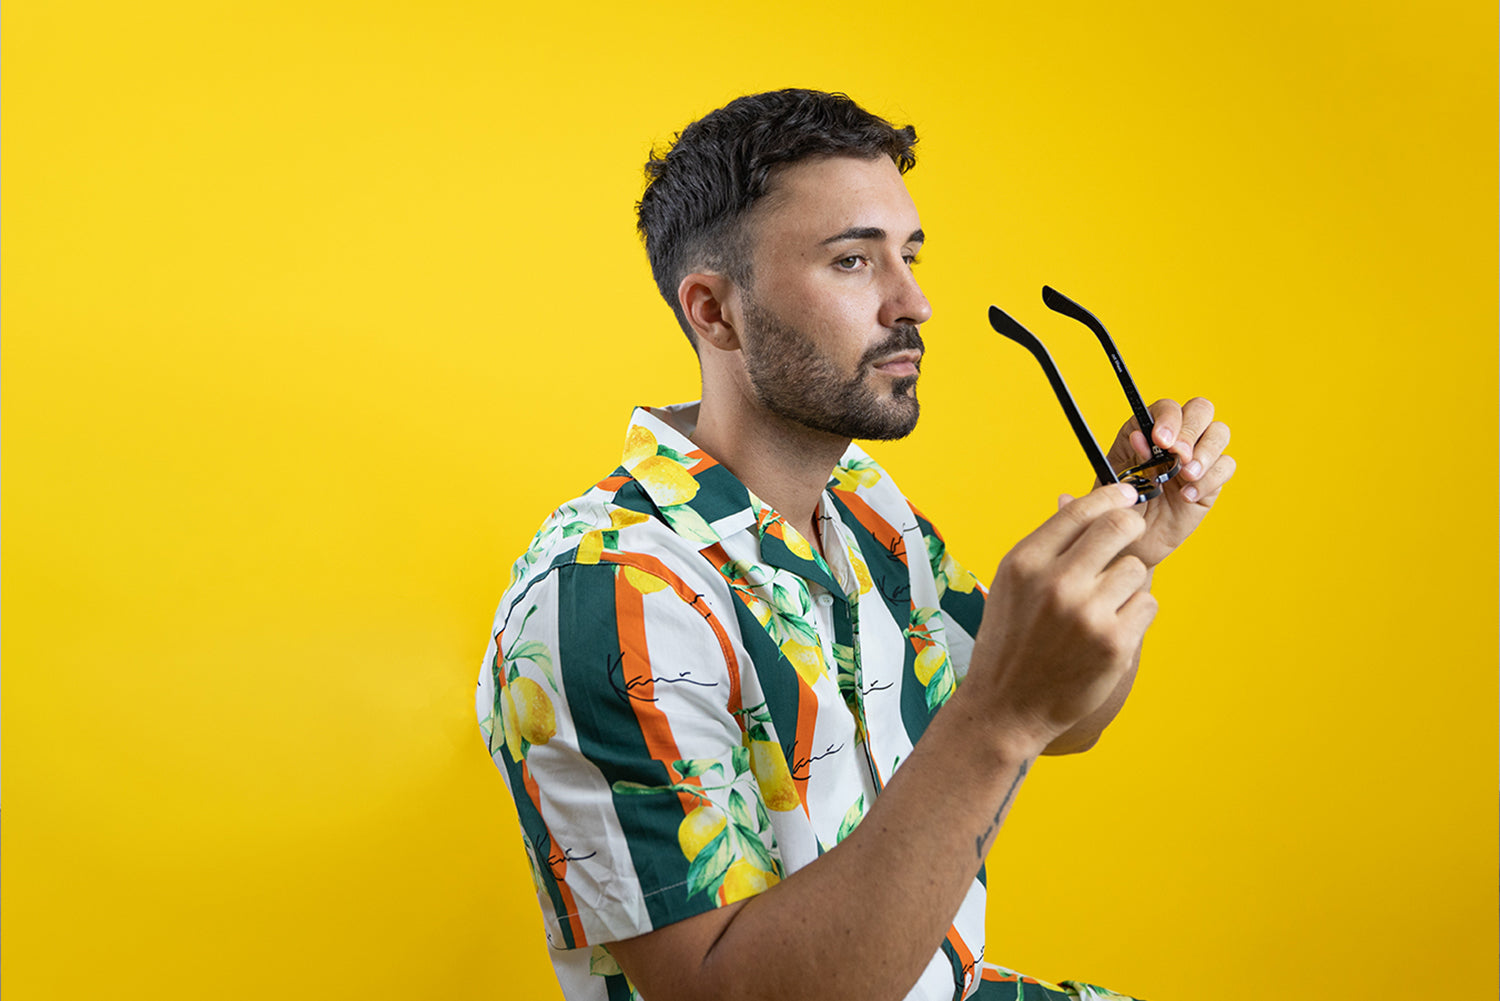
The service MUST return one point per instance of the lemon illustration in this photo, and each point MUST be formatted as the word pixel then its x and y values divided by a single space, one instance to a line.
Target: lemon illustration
pixel 862 574
pixel 590 547
pixel 700 827
pixel 534 715
pixel 640 443
pixel 667 482
pixel 929 662
pixel 796 542
pixel 623 517
pixel 959 579
pixel 771 773
pixel 643 581
pixel 745 880
pixel 512 723
pixel 806 658
pixel 849 479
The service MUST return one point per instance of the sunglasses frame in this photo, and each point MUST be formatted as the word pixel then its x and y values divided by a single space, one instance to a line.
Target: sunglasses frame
pixel 1147 477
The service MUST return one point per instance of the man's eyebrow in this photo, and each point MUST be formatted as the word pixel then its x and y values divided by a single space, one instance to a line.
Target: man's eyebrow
pixel 872 233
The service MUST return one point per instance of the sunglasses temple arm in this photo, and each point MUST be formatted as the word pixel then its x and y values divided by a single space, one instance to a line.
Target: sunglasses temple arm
pixel 1060 303
pixel 1006 326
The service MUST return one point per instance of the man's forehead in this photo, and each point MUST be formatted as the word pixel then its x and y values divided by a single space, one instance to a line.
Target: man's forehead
pixel 823 197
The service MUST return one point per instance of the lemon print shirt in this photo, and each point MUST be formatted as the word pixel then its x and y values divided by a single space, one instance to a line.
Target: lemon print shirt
pixel 689 703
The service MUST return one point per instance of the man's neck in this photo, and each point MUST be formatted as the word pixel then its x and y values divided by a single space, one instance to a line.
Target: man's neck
pixel 784 463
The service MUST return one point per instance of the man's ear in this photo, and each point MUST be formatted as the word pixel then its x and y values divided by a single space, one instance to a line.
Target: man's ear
pixel 705 297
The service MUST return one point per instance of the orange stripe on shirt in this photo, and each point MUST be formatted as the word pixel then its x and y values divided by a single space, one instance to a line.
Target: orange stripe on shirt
pixel 807 724
pixel 656 568
pixel 877 526
pixel 635 667
pixel 964 955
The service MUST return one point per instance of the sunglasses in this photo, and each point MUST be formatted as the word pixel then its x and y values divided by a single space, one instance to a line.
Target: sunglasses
pixel 1147 477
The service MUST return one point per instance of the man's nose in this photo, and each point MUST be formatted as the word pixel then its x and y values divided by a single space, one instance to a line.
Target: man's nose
pixel 904 301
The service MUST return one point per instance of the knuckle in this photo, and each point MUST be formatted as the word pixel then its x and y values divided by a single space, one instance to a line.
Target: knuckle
pixel 1060 592
pixel 1021 563
pixel 1123 521
pixel 1226 467
pixel 1149 606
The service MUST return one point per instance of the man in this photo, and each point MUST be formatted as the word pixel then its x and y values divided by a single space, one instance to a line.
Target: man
pixel 760 727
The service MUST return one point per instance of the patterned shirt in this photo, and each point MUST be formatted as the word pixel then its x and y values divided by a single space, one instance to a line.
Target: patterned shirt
pixel 688 702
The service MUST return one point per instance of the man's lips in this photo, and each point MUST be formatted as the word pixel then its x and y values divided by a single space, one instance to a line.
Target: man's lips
pixel 899 364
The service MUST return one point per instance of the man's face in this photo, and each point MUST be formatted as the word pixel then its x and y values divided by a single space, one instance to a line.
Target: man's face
pixel 829 322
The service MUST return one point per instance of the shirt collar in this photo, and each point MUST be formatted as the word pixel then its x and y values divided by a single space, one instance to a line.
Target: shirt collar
pixel 704 502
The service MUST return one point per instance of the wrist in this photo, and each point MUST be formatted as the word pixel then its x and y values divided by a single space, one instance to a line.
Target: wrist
pixel 1005 739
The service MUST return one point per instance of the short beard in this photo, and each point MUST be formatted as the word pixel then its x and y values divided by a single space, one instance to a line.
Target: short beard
pixel 793 380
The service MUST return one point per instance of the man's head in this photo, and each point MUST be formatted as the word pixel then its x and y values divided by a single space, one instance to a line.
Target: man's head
pixel 695 212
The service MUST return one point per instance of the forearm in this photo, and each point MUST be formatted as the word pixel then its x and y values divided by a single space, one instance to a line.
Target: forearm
pixel 883 898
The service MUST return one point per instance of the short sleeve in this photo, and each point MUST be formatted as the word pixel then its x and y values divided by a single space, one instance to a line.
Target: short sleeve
pixel 612 714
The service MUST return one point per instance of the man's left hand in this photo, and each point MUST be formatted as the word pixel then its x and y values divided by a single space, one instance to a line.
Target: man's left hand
pixel 1191 433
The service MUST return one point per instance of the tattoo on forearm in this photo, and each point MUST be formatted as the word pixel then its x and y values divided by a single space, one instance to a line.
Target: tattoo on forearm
pixel 1005 802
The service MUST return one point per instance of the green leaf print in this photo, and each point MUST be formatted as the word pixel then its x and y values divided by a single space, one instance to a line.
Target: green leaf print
pixel 784 600
pixel 602 964
pixel 536 652
pixel 852 817
pixel 689 523
pixel 939 688
pixel 676 456
pixel 739 810
pixel 748 846
pixel 801 630
pixel 689 767
pixel 751 573
pixel 709 865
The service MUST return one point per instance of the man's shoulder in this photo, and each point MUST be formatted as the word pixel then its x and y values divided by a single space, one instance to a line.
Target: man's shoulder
pixel 613 524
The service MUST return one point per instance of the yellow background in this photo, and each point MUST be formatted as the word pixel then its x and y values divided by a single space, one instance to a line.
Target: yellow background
pixel 313 310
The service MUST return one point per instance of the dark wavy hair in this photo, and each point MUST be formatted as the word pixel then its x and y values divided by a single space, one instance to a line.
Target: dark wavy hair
pixel 701 187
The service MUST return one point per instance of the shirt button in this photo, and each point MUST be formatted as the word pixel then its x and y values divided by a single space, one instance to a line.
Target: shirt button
pixel 825 600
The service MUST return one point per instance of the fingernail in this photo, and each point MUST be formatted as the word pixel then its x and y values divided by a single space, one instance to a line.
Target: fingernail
pixel 1129 491
pixel 1164 436
pixel 1190 494
pixel 1194 469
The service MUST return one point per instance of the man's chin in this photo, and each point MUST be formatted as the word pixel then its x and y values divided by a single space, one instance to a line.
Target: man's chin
pixel 895 423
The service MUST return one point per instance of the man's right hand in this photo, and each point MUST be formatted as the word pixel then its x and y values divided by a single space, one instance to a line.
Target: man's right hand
pixel 1063 622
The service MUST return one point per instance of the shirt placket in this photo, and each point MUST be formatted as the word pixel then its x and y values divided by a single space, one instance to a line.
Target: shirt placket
pixel 845 611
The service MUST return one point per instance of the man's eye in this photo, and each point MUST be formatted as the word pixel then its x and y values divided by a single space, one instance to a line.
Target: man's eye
pixel 911 260
pixel 849 263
